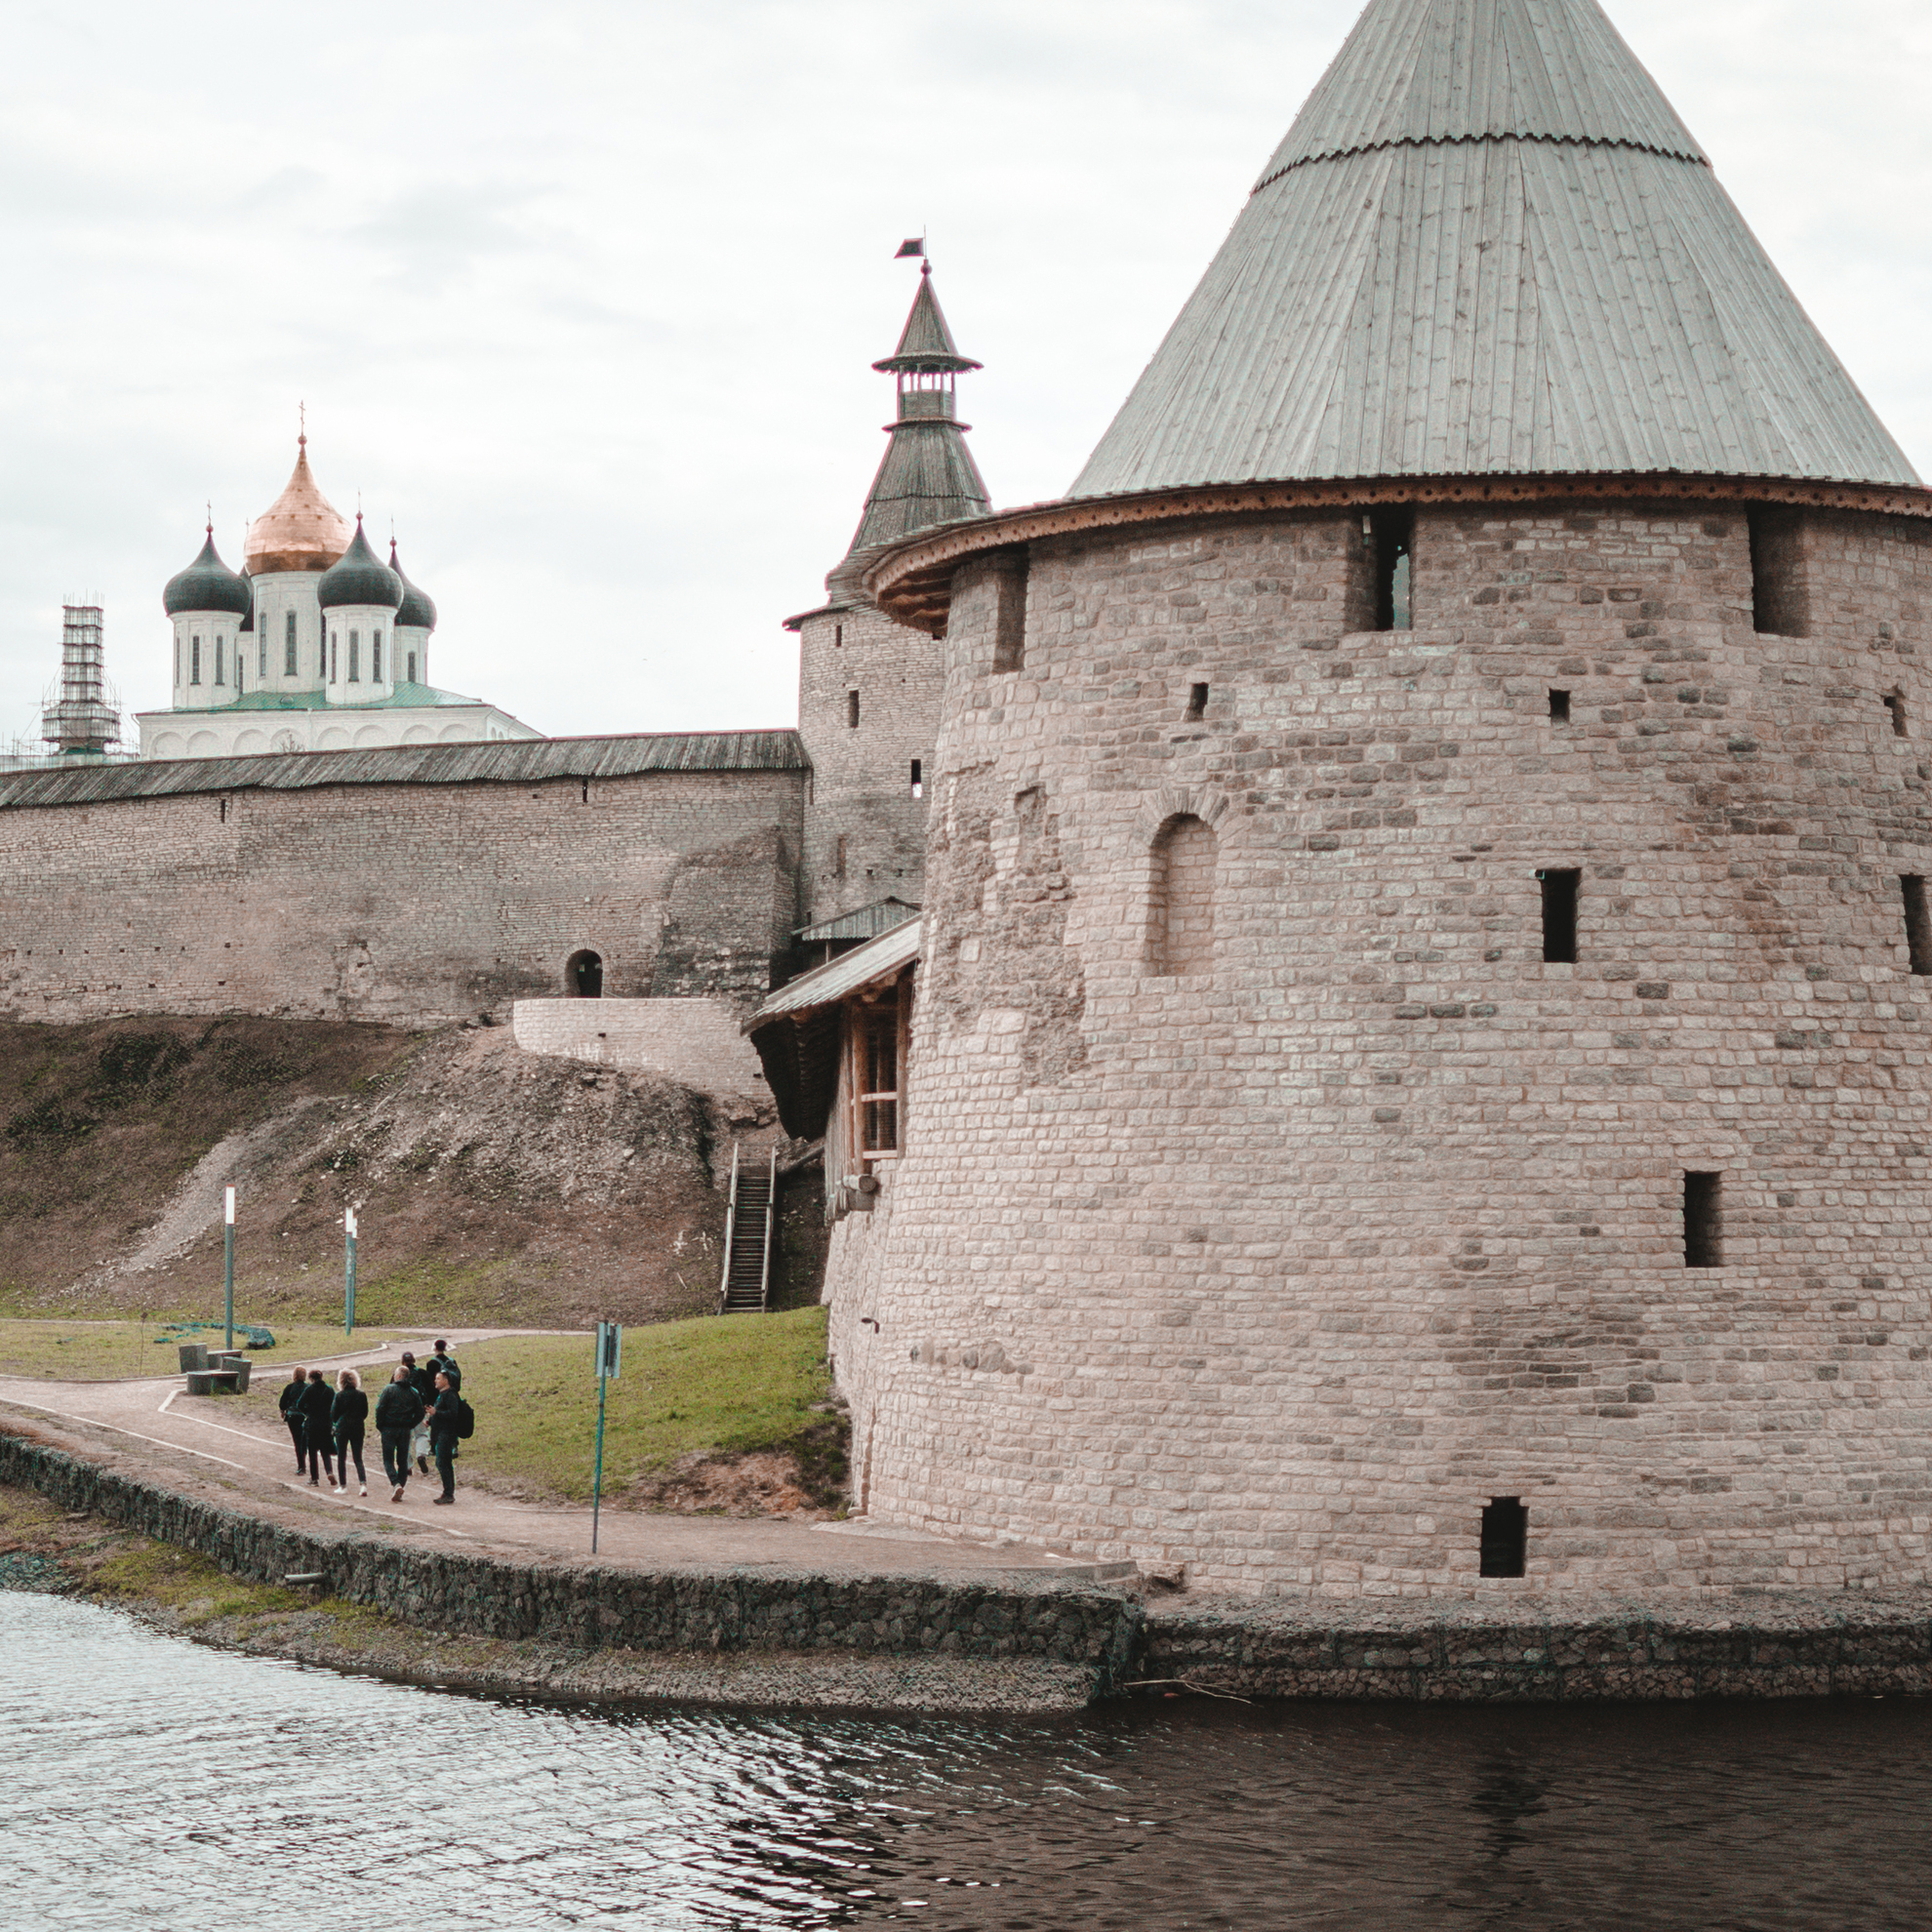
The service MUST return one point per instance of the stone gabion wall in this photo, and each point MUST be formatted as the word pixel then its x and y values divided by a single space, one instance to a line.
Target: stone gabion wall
pixel 414 903
pixel 1309 1258
pixel 862 776
pixel 758 1608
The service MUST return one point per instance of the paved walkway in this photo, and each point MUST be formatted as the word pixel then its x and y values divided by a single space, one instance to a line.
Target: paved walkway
pixel 151 1421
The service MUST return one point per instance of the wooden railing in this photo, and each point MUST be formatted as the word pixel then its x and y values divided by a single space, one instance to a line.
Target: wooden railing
pixel 771 1215
pixel 731 1222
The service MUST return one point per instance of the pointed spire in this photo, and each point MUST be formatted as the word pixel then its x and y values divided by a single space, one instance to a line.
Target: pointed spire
pixel 1488 246
pixel 927 475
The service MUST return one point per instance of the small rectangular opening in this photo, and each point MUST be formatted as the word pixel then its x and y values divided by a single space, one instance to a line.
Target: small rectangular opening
pixel 1895 704
pixel 1391 537
pixel 1198 697
pixel 918 778
pixel 852 710
pixel 1560 916
pixel 1779 604
pixel 838 858
pixel 1559 707
pixel 1704 1232
pixel 1505 1537
pixel 1918 926
pixel 838 635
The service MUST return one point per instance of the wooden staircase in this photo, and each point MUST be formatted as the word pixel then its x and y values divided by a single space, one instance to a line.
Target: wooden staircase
pixel 747 1266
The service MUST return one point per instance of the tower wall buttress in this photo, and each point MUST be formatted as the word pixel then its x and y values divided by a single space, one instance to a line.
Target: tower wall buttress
pixel 864 828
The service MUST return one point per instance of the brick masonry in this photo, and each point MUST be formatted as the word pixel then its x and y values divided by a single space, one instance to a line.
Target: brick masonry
pixel 1282 1270
pixel 695 1041
pixel 862 791
pixel 414 903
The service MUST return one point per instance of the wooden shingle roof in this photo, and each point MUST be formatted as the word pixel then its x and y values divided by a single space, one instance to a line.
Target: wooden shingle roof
pixel 1489 247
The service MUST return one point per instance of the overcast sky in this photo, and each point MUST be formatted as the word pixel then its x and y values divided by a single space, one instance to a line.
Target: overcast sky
pixel 583 295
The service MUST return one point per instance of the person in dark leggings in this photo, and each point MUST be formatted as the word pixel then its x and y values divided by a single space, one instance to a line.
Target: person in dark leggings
pixel 398 1410
pixel 297 1422
pixel 348 1414
pixel 443 1437
pixel 316 1401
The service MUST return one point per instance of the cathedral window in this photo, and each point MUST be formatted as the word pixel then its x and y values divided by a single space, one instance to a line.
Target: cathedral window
pixel 178 658
pixel 411 668
pixel 355 657
pixel 335 658
pixel 289 645
pixel 218 678
pixel 194 660
pixel 376 657
pixel 261 658
pixel 1181 904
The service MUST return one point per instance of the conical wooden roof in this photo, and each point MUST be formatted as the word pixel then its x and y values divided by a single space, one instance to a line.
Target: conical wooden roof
pixel 926 343
pixel 1489 247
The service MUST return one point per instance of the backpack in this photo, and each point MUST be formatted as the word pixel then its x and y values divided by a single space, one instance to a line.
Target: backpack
pixel 465 1420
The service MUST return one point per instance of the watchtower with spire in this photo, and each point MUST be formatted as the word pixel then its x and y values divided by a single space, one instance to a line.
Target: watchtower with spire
pixel 869 688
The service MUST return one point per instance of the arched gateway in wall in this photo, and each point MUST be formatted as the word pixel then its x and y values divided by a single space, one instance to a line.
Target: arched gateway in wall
pixel 1383 1219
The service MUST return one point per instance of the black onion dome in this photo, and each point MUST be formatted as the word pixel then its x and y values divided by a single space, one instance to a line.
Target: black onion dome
pixel 359 577
pixel 207 585
pixel 417 607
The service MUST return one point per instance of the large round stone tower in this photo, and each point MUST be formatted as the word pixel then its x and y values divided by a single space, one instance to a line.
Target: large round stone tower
pixel 1422 1064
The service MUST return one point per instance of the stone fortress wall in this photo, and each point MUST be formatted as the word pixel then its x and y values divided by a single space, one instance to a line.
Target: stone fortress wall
pixel 417 904
pixel 1282 1269
pixel 866 832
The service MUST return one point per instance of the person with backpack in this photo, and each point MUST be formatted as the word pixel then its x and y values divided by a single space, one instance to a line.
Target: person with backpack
pixel 317 1400
pixel 445 1425
pixel 398 1411
pixel 348 1414
pixel 423 1376
pixel 297 1423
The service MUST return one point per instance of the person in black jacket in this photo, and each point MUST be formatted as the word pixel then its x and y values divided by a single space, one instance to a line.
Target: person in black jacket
pixel 348 1414
pixel 398 1410
pixel 316 1402
pixel 443 1437
pixel 297 1423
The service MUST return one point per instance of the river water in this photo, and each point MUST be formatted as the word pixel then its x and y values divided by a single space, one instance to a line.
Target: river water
pixel 150 1785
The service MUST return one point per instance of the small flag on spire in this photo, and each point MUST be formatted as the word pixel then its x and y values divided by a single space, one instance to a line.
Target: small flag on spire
pixel 915 245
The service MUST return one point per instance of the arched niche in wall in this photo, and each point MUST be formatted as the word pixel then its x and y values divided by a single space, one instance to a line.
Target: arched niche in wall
pixel 1184 855
pixel 583 975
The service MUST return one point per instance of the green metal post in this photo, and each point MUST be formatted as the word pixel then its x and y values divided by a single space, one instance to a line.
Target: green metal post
pixel 228 1269
pixel 597 1487
pixel 348 1275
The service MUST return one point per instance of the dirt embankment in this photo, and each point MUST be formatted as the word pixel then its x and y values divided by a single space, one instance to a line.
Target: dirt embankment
pixel 489 1184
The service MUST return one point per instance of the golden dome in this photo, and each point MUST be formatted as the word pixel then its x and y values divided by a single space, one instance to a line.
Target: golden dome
pixel 300 530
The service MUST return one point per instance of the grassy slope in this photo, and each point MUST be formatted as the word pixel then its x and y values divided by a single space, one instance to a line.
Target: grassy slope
pixel 688 1389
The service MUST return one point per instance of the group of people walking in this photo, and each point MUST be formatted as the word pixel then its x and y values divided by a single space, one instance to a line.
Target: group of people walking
pixel 418 1415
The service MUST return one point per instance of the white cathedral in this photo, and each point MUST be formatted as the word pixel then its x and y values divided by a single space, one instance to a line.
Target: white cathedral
pixel 318 645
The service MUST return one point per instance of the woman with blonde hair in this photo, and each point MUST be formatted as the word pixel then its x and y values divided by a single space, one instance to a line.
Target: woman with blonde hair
pixel 348 1415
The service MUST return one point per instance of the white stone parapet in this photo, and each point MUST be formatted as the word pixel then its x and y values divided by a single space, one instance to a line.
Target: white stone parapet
pixel 694 1041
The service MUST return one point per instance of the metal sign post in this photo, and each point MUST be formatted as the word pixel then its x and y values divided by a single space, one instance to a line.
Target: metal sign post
pixel 610 1352
pixel 228 1269
pixel 348 1272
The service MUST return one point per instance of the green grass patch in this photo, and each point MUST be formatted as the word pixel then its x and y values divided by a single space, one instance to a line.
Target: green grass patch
pixel 186 1583
pixel 121 1351
pixel 712 1387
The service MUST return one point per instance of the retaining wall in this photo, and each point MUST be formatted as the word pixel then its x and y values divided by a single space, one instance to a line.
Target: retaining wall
pixel 695 1041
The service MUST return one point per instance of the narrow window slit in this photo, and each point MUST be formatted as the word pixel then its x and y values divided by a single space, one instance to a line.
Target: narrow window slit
pixel 1895 703
pixel 1560 916
pixel 1198 697
pixel 1559 707
pixel 1390 537
pixel 1918 922
pixel 1703 1245
pixel 1505 1537
pixel 1010 613
pixel 852 710
pixel 918 780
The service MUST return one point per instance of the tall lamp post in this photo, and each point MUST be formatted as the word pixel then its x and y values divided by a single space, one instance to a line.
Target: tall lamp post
pixel 348 1272
pixel 228 1269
